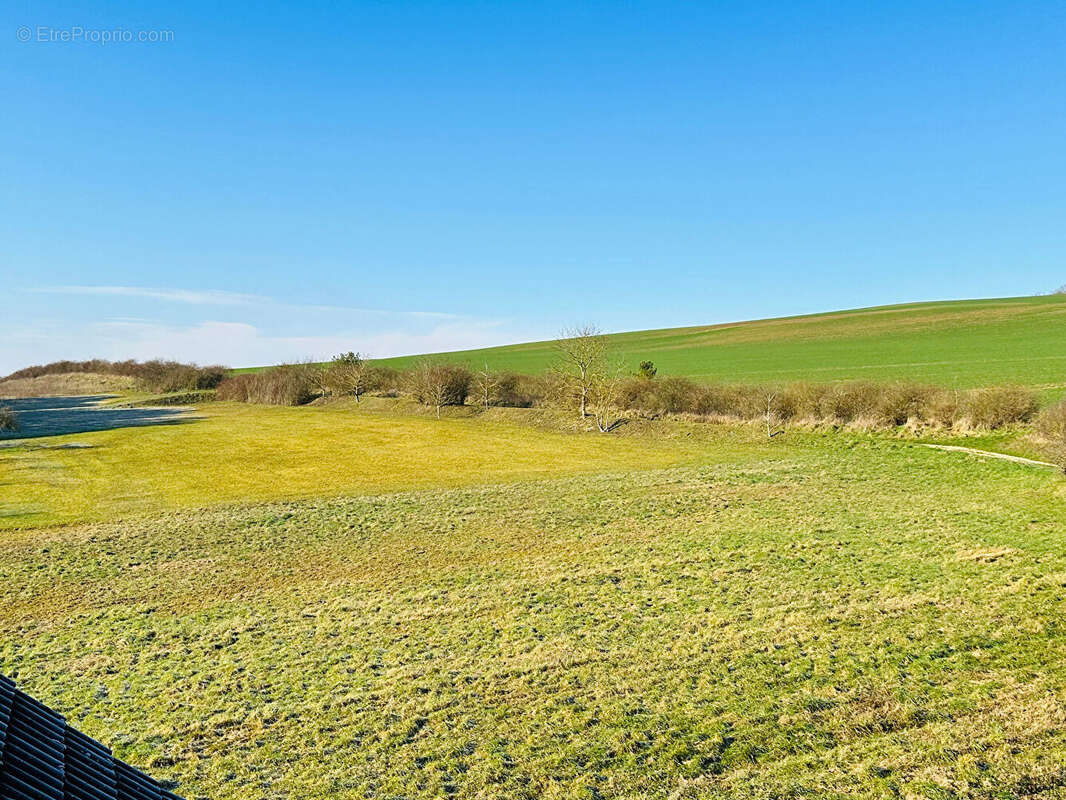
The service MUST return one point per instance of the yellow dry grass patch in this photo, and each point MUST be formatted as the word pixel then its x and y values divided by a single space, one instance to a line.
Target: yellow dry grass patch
pixel 244 453
pixel 985 556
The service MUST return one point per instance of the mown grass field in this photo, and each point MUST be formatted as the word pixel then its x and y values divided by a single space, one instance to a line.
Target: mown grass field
pixel 230 453
pixel 829 615
pixel 960 344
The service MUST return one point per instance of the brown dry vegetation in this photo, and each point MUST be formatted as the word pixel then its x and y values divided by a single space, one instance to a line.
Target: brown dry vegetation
pixel 864 404
pixel 439 385
pixel 155 376
pixel 66 384
pixel 284 385
pixel 1051 427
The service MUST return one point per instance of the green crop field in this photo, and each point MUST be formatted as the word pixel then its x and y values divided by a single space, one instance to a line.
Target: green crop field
pixel 961 344
pixel 823 615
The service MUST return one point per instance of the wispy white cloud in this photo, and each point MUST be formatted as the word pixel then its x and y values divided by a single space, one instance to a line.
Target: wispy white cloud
pixel 203 297
pixel 232 343
pixel 241 330
pixel 217 297
pixel 237 343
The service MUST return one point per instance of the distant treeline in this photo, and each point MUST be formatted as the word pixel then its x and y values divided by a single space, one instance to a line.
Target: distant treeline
pixel 864 403
pixel 607 395
pixel 153 376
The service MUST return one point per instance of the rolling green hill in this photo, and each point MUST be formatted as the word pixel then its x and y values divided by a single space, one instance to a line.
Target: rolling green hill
pixel 963 343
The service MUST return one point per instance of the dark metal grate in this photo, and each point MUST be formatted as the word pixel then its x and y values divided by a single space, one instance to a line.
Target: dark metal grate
pixel 90 773
pixel 43 758
pixel 7 694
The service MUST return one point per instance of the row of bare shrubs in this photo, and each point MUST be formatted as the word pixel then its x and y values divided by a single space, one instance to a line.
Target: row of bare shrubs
pixel 429 383
pixel 284 385
pixel 155 376
pixel 297 384
pixel 876 404
pixel 437 385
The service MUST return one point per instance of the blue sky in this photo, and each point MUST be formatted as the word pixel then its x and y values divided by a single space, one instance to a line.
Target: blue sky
pixel 288 181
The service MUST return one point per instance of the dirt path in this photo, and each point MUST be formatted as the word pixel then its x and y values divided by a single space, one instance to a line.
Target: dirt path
pixel 989 454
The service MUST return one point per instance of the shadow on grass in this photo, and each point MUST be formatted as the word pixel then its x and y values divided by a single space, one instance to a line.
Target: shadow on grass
pixel 56 416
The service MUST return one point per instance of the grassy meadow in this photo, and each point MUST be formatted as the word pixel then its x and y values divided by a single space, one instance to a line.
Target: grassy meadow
pixel 832 615
pixel 959 344
pixel 348 600
pixel 229 452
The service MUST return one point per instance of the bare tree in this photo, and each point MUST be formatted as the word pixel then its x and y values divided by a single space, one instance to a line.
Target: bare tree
pixel 321 379
pixel 485 385
pixel 350 374
pixel 440 385
pixel 582 351
pixel 605 397
pixel 774 421
pixel 436 391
